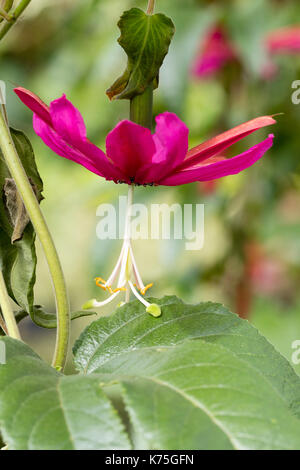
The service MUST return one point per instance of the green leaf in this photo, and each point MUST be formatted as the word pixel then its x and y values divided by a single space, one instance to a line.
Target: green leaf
pixel 197 377
pixel 17 237
pixel 146 40
pixel 40 409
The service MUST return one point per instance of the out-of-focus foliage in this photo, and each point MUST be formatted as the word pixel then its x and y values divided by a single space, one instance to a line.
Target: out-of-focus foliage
pixel 252 227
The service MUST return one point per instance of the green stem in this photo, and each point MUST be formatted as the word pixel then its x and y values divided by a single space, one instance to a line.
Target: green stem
pixel 151 5
pixel 2 325
pixel 32 206
pixel 141 108
pixel 4 14
pixel 14 17
pixel 8 314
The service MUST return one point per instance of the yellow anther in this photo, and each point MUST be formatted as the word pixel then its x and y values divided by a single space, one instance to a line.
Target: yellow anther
pixel 99 280
pixel 148 286
pixel 102 287
pixel 102 283
pixel 119 289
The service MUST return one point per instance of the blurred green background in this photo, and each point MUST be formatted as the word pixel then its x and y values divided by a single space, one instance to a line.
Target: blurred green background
pixel 251 256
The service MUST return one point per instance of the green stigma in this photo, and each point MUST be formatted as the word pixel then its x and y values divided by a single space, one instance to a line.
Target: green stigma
pixel 154 310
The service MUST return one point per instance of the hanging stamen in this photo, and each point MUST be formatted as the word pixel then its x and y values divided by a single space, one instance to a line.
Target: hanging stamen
pixel 126 267
pixel 120 289
pixel 95 304
pixel 136 273
pixel 148 286
pixel 103 284
pixel 116 269
pixel 123 271
pixel 138 296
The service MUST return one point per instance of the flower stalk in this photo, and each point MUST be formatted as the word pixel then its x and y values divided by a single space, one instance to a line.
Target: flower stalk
pixel 150 8
pixel 10 327
pixel 141 108
pixel 32 206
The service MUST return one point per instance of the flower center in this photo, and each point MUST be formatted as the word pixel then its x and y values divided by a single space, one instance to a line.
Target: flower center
pixel 133 183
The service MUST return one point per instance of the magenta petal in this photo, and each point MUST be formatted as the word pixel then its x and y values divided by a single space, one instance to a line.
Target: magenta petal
pixel 69 124
pixel 171 141
pixel 62 129
pixel 34 103
pixel 230 166
pixel 56 143
pixel 67 120
pixel 171 134
pixel 88 155
pixel 217 144
pixel 130 146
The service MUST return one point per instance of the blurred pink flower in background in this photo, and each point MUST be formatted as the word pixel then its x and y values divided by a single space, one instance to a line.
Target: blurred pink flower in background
pixel 267 273
pixel 284 40
pixel 218 50
pixel 279 42
pixel 208 187
pixel 215 52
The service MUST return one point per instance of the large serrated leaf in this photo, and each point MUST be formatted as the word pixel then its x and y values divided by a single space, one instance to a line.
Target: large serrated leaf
pixel 146 40
pixel 18 258
pixel 40 409
pixel 198 377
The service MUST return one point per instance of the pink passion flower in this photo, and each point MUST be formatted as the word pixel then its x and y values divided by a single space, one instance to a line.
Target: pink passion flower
pixel 136 156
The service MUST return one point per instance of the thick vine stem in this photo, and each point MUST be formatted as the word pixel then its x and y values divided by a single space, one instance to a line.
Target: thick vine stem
pixel 8 314
pixel 150 8
pixel 141 108
pixel 32 206
pixel 13 17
